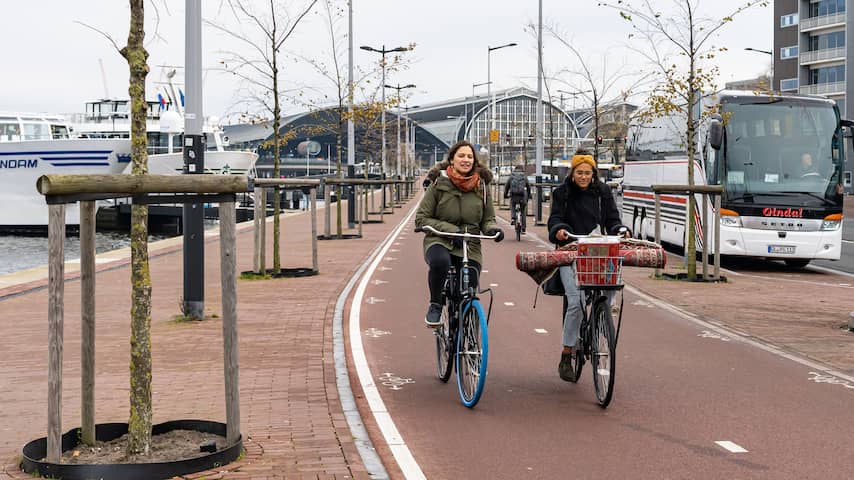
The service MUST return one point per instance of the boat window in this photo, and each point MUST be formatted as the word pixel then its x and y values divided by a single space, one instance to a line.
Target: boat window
pixel 10 132
pixel 36 131
pixel 59 131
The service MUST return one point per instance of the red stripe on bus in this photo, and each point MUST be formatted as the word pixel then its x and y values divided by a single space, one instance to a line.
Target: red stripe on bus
pixel 650 196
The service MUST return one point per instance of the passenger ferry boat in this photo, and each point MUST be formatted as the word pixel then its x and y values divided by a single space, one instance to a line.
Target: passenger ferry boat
pixel 32 145
pixel 111 119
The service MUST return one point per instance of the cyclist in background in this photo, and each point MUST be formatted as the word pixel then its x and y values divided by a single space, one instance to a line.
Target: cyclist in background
pixel 518 190
pixel 583 204
pixel 458 201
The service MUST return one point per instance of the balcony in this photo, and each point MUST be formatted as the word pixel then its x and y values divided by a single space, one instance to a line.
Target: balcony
pixel 824 21
pixel 835 88
pixel 823 55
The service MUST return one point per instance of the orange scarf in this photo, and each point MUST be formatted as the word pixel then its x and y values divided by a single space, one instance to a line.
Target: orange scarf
pixel 465 184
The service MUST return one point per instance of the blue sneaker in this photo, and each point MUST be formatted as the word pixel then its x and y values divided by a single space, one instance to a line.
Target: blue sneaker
pixel 433 318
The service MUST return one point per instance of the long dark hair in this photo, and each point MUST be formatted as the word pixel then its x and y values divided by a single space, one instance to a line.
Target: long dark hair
pixel 475 166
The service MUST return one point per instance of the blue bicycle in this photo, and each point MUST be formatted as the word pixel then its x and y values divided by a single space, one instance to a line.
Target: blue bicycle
pixel 463 334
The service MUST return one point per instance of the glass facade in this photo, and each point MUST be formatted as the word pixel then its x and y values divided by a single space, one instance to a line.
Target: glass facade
pixel 516 120
pixel 832 74
pixel 826 7
pixel 827 40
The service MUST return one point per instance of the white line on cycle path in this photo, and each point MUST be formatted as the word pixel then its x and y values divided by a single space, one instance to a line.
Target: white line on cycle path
pixel 398 447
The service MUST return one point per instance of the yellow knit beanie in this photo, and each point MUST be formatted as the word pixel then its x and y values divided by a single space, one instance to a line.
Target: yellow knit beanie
pixel 579 159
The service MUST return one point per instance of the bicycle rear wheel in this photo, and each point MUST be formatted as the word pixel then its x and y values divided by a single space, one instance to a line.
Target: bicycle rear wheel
pixel 603 359
pixel 444 346
pixel 472 353
pixel 518 224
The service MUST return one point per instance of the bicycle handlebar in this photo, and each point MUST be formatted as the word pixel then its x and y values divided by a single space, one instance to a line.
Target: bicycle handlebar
pixel 621 235
pixel 428 228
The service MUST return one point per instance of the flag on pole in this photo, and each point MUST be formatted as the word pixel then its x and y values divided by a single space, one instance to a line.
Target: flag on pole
pixel 182 96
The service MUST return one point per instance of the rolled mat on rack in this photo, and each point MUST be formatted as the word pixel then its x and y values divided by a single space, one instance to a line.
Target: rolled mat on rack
pixel 636 253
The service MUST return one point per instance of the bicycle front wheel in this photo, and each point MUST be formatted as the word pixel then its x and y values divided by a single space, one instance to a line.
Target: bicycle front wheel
pixel 444 346
pixel 472 353
pixel 603 355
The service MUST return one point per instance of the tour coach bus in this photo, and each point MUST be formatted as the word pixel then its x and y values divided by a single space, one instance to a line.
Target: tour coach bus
pixel 779 159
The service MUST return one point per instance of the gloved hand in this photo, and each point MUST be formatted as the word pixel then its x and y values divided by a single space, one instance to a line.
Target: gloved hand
pixel 458 242
pixel 426 183
pixel 498 231
pixel 624 232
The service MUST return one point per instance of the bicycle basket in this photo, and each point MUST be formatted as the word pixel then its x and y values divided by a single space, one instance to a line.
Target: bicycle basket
pixel 599 264
pixel 598 271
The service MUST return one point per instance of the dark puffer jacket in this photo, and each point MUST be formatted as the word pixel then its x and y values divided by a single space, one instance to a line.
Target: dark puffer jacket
pixel 580 211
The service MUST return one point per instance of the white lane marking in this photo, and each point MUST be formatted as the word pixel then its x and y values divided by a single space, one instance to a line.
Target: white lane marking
pixel 732 447
pixel 493 284
pixel 376 333
pixel 385 269
pixel 819 378
pixel 708 334
pixel 389 259
pixel 541 330
pixel 394 250
pixel 378 282
pixel 509 304
pixel 373 300
pixel 408 466
pixel 485 271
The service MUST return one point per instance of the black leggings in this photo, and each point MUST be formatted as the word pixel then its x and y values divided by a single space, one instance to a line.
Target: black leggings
pixel 440 260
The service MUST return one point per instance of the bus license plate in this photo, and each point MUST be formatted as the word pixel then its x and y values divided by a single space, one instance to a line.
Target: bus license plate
pixel 785 249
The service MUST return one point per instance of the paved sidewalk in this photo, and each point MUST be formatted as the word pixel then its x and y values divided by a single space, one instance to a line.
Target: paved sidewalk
pixel 800 312
pixel 292 419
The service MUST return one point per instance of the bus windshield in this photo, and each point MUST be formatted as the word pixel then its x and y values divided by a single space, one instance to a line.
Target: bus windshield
pixel 782 148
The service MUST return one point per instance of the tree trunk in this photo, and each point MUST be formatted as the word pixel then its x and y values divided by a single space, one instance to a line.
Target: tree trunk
pixel 691 239
pixel 277 266
pixel 338 149
pixel 139 423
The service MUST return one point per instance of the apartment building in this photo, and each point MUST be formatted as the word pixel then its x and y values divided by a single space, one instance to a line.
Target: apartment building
pixel 810 53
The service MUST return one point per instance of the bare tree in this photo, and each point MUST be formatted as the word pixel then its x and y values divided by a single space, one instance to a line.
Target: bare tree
pixel 679 45
pixel 139 423
pixel 331 65
pixel 599 84
pixel 260 69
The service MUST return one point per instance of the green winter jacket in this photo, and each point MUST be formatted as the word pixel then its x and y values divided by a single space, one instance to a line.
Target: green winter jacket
pixel 448 209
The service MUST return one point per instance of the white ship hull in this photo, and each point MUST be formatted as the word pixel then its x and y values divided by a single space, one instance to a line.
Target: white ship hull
pixel 22 207
pixel 234 162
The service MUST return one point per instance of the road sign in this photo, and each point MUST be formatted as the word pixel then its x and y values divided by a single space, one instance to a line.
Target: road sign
pixel 494 135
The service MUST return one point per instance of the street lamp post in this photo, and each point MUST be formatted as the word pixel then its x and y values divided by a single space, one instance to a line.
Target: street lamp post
pixel 770 80
pixel 383 51
pixel 489 87
pixel 473 86
pixel 398 88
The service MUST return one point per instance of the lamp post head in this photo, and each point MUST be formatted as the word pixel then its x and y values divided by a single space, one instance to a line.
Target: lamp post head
pixel 370 49
pixel 513 44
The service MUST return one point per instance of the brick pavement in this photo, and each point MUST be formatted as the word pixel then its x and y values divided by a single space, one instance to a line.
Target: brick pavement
pixel 291 416
pixel 799 312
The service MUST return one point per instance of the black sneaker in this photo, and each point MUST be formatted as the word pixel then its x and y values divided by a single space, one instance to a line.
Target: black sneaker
pixel 512 222
pixel 434 315
pixel 565 368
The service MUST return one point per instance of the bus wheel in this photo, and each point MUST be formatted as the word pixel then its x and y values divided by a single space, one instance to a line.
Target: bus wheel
pixel 797 262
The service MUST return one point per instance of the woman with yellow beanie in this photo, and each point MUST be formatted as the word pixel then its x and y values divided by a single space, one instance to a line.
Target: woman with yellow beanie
pixel 581 205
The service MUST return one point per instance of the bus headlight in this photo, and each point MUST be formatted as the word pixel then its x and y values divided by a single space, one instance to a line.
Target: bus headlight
pixel 832 222
pixel 730 218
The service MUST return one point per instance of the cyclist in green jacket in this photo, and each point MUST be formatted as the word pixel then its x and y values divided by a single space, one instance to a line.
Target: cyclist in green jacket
pixel 457 201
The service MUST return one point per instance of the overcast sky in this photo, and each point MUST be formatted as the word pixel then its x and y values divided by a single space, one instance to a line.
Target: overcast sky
pixel 51 62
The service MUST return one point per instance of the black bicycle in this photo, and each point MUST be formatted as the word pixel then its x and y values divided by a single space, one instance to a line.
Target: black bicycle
pixel 598 272
pixel 463 334
pixel 517 209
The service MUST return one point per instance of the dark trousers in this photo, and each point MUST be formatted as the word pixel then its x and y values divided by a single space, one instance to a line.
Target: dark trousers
pixel 523 207
pixel 439 259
